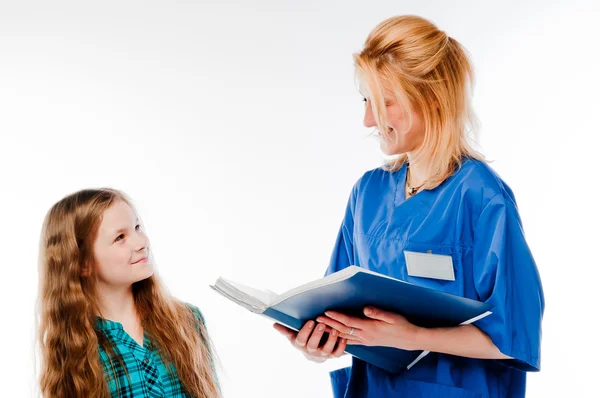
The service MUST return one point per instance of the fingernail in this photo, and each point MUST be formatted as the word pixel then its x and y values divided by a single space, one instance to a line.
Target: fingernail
pixel 328 313
pixel 368 310
pixel 334 332
pixel 311 324
pixel 321 327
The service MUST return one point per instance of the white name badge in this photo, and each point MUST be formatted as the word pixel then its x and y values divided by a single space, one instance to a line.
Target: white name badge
pixel 427 265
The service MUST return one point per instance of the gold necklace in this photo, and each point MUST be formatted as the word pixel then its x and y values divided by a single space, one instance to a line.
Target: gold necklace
pixel 411 190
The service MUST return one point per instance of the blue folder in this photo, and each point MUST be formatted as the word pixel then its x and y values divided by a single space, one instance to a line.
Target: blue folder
pixel 350 290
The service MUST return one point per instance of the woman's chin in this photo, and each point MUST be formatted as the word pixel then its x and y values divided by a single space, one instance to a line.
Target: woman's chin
pixel 388 150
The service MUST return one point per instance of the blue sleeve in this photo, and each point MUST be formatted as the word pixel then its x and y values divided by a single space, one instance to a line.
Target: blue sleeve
pixel 343 251
pixel 506 276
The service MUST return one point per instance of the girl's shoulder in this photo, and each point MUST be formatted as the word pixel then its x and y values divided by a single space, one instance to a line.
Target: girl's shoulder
pixel 196 312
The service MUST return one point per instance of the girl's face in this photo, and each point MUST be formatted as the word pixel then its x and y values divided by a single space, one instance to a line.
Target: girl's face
pixel 400 139
pixel 121 248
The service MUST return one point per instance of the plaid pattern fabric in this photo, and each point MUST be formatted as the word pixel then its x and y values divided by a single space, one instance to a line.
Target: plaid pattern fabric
pixel 149 376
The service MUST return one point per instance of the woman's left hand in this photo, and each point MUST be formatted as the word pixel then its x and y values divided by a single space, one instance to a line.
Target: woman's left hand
pixel 381 328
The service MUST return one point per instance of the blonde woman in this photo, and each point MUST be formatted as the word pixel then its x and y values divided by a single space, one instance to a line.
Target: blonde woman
pixel 439 198
pixel 107 326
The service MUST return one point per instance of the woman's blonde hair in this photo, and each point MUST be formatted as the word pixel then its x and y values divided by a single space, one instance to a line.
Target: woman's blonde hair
pixel 427 71
pixel 68 337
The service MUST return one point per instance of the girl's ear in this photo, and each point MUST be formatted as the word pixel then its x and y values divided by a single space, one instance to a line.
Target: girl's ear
pixel 86 270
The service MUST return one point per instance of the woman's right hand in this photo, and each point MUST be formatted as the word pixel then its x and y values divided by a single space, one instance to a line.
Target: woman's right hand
pixel 308 338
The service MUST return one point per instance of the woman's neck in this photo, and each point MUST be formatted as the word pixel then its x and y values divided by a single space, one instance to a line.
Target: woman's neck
pixel 419 172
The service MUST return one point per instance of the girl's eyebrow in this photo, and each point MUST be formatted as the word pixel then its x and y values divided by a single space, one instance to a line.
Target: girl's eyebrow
pixel 121 230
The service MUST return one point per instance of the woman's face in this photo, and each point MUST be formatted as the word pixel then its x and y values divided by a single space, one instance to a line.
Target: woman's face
pixel 400 139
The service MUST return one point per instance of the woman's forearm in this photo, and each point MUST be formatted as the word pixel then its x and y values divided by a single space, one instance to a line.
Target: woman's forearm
pixel 465 341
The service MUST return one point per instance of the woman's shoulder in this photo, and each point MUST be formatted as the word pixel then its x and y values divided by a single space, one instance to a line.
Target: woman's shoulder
pixel 381 175
pixel 382 172
pixel 479 178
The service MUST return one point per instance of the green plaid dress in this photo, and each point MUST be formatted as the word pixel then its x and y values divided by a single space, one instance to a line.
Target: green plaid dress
pixel 148 374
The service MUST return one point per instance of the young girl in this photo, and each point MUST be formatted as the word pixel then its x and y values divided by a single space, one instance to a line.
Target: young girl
pixel 439 198
pixel 107 326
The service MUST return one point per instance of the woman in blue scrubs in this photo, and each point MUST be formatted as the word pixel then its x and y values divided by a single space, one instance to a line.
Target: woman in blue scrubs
pixel 439 198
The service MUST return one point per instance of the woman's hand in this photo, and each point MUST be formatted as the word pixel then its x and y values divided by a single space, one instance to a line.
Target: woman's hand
pixel 308 338
pixel 389 329
pixel 382 328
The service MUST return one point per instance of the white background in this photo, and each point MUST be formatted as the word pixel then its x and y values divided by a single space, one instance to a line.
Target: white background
pixel 237 129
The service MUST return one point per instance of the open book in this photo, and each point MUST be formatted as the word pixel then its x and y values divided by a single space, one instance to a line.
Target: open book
pixel 349 291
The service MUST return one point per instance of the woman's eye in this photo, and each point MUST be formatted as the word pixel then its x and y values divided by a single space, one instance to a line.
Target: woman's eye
pixel 364 99
pixel 137 227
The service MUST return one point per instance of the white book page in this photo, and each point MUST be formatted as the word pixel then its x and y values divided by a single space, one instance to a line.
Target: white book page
pixel 346 273
pixel 265 296
pixel 258 300
pixel 255 300
pixel 328 280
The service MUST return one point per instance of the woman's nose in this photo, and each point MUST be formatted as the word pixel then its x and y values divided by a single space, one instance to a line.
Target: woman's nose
pixel 369 119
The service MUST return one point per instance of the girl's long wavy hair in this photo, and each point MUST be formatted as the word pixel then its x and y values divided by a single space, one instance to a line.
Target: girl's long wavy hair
pixel 429 71
pixel 68 337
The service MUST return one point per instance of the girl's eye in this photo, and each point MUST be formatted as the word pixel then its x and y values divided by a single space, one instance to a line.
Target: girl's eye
pixel 137 227
pixel 364 99
pixel 120 237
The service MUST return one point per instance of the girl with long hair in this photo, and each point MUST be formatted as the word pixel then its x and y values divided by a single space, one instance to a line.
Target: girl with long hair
pixel 107 325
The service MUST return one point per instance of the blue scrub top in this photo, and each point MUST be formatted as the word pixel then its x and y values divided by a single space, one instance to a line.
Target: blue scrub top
pixel 473 217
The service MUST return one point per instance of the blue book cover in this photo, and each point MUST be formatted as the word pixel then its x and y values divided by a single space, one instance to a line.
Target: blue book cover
pixel 349 291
